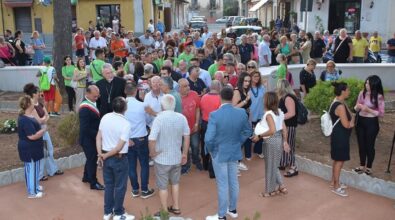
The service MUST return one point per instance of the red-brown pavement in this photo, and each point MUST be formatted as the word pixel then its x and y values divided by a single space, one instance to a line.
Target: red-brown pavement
pixel 309 197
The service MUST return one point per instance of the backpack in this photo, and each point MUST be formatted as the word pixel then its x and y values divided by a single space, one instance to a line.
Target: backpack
pixel 43 83
pixel 302 112
pixel 326 122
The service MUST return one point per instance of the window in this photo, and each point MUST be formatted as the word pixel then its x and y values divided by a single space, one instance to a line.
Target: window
pixel 107 13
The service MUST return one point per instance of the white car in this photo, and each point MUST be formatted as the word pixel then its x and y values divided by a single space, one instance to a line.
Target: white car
pixel 222 20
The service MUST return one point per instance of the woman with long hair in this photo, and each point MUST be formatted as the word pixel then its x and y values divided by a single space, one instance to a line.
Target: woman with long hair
pixel 68 73
pixel 287 104
pixel 275 140
pixel 305 48
pixel 38 46
pixel 369 107
pixel 234 49
pixel 340 138
pixel 251 67
pixel 170 55
pixel 257 92
pixel 242 99
pixel 210 50
pixel 80 75
pixel 30 146
pixel 273 45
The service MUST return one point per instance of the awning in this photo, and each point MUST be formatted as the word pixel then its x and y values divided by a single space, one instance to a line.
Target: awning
pixel 183 1
pixel 18 3
pixel 258 5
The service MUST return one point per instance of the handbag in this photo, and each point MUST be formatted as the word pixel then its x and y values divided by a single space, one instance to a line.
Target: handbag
pixel 73 84
pixel 262 126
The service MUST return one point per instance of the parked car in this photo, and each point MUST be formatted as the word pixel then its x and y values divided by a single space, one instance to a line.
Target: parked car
pixel 197 25
pixel 249 21
pixel 198 18
pixel 239 30
pixel 222 20
pixel 237 20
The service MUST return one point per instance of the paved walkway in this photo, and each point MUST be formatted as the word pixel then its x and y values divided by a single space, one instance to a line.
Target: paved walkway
pixel 309 198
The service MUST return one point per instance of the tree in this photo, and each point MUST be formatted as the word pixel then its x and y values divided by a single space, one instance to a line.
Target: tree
pixel 62 40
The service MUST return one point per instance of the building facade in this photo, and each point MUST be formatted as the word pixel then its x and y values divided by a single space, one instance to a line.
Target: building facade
pixel 30 15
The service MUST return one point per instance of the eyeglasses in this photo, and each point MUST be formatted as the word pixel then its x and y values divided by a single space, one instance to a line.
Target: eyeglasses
pixel 252 67
pixel 330 66
pixel 226 76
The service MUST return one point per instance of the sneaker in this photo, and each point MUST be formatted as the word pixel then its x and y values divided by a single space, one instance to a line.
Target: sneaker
pixel 107 216
pixel 184 171
pixel 342 185
pixel 151 163
pixel 55 114
pixel 124 216
pixel 238 173
pixel 40 188
pixel 242 166
pixel 135 193
pixel 248 158
pixel 215 217
pixel 147 194
pixel 340 192
pixel 36 196
pixel 232 214
pixel 261 156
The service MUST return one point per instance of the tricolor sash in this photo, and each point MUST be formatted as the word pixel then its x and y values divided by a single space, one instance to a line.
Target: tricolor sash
pixel 90 105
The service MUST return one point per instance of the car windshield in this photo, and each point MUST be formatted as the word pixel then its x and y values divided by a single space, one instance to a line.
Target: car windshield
pixel 197 24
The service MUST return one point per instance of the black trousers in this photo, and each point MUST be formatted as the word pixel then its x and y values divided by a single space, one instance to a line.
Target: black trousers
pixel 367 130
pixel 89 147
pixel 207 165
pixel 70 97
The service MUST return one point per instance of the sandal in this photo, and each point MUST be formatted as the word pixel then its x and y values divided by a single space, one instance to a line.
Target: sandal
pixel 342 185
pixel 44 178
pixel 265 195
pixel 174 211
pixel 283 190
pixel 291 172
pixel 368 171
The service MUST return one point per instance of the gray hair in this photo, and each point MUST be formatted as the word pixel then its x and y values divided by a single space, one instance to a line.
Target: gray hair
pixel 253 63
pixel 148 68
pixel 284 88
pixel 215 85
pixel 219 73
pixel 96 32
pixel 168 103
pixel 230 57
pixel 168 81
pixel 266 37
pixel 107 66
pixel 227 40
pixel 168 63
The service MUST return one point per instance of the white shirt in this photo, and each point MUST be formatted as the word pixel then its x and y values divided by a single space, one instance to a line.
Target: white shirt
pixel 50 73
pixel 205 36
pixel 205 76
pixel 94 44
pixel 114 127
pixel 278 119
pixel 168 129
pixel 153 101
pixel 263 50
pixel 137 117
pixel 151 28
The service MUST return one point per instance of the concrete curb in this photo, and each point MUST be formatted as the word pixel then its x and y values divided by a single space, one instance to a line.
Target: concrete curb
pixel 17 175
pixel 359 181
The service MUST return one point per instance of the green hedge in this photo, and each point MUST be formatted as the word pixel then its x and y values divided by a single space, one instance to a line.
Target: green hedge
pixel 321 96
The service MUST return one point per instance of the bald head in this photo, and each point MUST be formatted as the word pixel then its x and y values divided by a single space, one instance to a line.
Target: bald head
pixel 92 93
pixel 184 87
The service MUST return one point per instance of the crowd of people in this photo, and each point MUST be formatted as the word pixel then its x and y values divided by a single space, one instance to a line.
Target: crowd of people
pixel 193 100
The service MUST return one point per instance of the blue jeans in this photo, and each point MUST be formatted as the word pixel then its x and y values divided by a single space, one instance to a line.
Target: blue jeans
pixel 247 148
pixel 31 176
pixel 115 176
pixel 195 151
pixel 139 151
pixel 227 185
pixel 48 161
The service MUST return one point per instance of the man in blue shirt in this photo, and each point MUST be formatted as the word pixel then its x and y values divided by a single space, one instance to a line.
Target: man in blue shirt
pixel 391 50
pixel 204 62
pixel 246 50
pixel 197 41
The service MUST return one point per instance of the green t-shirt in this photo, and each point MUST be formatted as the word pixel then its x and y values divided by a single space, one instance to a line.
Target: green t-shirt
pixel 96 69
pixel 68 71
pixel 159 63
pixel 184 56
pixel 213 69
pixel 177 97
pixel 281 72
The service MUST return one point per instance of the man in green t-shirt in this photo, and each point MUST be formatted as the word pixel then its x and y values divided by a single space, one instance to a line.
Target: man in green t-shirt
pixel 187 55
pixel 96 66
pixel 217 66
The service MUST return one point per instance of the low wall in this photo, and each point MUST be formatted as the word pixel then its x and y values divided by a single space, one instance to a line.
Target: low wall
pixel 13 78
pixel 359 71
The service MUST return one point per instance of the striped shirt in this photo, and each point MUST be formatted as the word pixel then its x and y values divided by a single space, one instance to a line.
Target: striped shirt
pixel 167 130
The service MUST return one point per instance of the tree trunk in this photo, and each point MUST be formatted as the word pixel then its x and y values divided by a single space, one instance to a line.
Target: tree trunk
pixel 62 36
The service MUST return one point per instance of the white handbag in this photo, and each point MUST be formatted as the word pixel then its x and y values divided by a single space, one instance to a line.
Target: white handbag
pixel 262 126
pixel 73 84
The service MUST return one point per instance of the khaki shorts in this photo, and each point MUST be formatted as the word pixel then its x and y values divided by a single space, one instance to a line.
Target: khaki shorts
pixel 165 174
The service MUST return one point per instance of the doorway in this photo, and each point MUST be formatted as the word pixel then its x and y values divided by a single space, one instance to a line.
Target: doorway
pixel 344 14
pixel 23 19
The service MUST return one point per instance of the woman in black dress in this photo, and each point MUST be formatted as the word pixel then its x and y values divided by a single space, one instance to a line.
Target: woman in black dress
pixel 274 42
pixel 343 48
pixel 20 52
pixel 340 138
pixel 242 99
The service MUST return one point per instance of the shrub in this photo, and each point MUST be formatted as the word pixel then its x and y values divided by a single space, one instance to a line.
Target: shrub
pixel 69 128
pixel 321 96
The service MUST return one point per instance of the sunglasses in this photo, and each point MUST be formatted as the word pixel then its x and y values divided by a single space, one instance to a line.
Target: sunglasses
pixel 251 67
pixel 226 77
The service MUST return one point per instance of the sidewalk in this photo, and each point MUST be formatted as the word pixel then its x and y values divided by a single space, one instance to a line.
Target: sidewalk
pixel 308 198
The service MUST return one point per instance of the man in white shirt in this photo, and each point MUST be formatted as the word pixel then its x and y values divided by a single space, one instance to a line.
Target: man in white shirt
pixel 96 42
pixel 151 26
pixel 169 131
pixel 138 149
pixel 112 143
pixel 152 100
pixel 264 53
pixel 206 34
pixel 147 41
